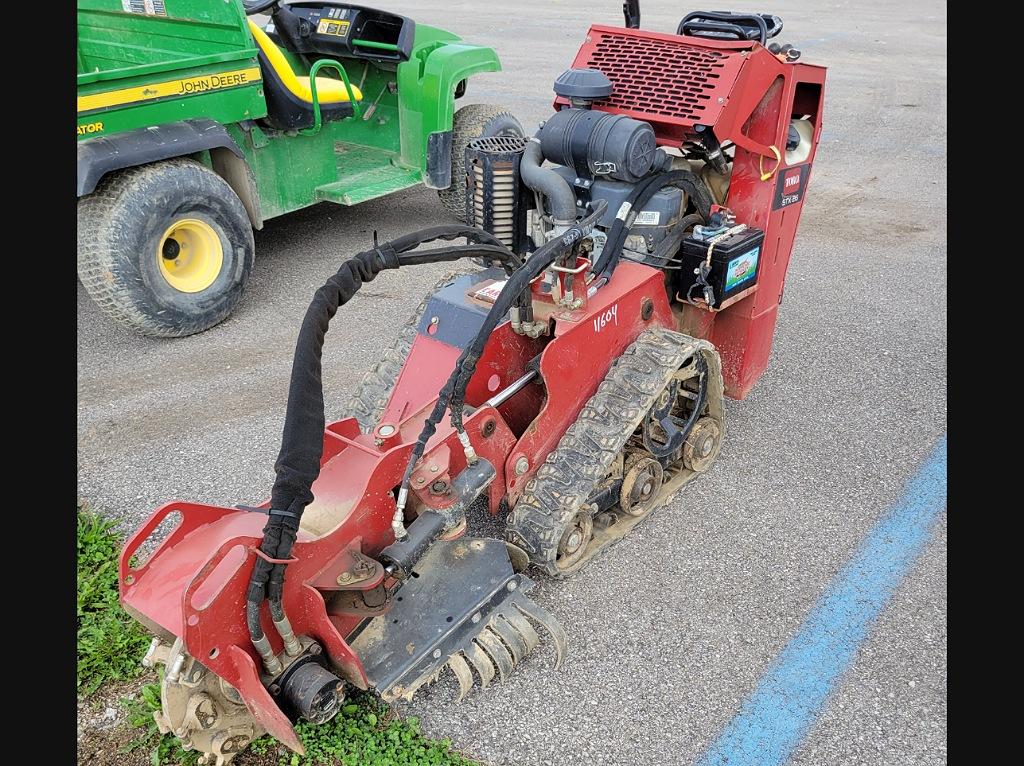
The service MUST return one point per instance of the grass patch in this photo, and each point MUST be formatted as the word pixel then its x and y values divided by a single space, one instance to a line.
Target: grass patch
pixel 366 733
pixel 110 643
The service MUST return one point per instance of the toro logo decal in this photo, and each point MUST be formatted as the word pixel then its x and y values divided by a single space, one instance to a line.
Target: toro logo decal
pixel 610 316
pixel 790 187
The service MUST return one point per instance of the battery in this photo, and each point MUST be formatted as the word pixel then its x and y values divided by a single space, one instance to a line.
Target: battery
pixel 734 264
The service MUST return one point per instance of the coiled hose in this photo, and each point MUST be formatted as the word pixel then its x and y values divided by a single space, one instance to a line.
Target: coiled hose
pixel 298 462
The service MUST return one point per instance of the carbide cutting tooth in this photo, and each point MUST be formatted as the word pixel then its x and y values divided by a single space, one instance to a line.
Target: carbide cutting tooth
pixel 523 626
pixel 512 639
pixel 462 672
pixel 478 659
pixel 497 652
pixel 539 615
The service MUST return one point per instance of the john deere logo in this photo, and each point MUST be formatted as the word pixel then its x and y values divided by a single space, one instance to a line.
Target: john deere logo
pixel 168 89
pixel 212 82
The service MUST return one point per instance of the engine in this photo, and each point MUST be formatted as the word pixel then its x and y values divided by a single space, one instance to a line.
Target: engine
pixel 596 155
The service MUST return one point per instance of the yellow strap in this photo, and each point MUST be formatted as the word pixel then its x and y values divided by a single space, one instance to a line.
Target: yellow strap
pixel 760 163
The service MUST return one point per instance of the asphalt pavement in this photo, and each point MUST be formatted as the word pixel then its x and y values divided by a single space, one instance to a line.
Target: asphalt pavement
pixel 671 630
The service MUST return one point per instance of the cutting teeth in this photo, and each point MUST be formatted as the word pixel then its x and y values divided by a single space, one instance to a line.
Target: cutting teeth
pixel 478 659
pixel 462 672
pixel 539 615
pixel 513 641
pixel 497 652
pixel 523 627
pixel 507 638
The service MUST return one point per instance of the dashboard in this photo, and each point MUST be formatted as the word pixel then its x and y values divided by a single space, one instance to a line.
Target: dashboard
pixel 342 29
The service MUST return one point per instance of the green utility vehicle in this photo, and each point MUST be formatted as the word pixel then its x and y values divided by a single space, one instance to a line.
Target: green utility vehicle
pixel 196 125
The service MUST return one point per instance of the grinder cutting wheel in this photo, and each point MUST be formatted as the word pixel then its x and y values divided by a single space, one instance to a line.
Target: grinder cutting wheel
pixel 570 386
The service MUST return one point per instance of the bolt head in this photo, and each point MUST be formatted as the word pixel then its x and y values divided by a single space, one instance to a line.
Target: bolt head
pixel 475 618
pixel 522 466
pixel 386 430
pixel 345 577
pixel 512 585
pixel 437 653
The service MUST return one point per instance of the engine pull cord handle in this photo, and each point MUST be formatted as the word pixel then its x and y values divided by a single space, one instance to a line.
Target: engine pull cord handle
pixel 778 162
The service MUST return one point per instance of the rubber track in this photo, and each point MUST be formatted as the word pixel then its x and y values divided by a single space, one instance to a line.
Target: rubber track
pixel 371 396
pixel 586 451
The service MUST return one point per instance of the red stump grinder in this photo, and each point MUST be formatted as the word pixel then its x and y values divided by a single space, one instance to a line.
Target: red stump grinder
pixel 571 385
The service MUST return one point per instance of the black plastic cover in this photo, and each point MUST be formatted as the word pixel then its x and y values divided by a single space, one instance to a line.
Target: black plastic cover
pixel 583 85
pixel 103 154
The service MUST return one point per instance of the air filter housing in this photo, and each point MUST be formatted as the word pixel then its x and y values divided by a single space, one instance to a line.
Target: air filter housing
pixel 494 192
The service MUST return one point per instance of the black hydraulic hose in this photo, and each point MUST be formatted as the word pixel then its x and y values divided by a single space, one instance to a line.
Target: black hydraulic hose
pixel 298 463
pixel 639 197
pixel 518 283
pixel 663 256
pixel 510 261
pixel 454 390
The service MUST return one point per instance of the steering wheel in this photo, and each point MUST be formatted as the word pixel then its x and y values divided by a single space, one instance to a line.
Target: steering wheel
pixel 258 6
pixel 729 25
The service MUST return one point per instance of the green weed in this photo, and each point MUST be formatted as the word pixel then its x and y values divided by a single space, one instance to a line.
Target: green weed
pixel 366 733
pixel 110 643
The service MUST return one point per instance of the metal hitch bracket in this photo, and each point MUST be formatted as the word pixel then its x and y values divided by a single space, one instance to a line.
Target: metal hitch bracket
pixel 464 607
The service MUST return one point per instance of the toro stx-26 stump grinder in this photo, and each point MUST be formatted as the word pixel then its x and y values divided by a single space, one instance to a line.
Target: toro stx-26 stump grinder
pixel 570 386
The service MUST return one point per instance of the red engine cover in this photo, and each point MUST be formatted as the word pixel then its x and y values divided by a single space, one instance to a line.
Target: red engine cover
pixel 748 96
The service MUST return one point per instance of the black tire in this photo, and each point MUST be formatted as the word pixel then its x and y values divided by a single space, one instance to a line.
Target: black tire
pixel 121 241
pixel 473 121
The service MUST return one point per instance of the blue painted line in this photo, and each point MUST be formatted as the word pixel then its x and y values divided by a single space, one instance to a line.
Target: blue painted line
pixel 788 699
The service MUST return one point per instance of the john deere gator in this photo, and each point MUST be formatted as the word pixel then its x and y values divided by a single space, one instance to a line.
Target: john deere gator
pixel 196 124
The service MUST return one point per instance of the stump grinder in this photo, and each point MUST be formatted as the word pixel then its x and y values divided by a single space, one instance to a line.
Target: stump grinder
pixel 631 257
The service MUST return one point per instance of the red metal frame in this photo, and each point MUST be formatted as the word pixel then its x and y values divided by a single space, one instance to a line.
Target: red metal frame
pixel 194 584
pixel 748 96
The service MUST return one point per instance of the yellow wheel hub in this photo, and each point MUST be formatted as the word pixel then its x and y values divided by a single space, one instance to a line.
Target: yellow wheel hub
pixel 190 255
